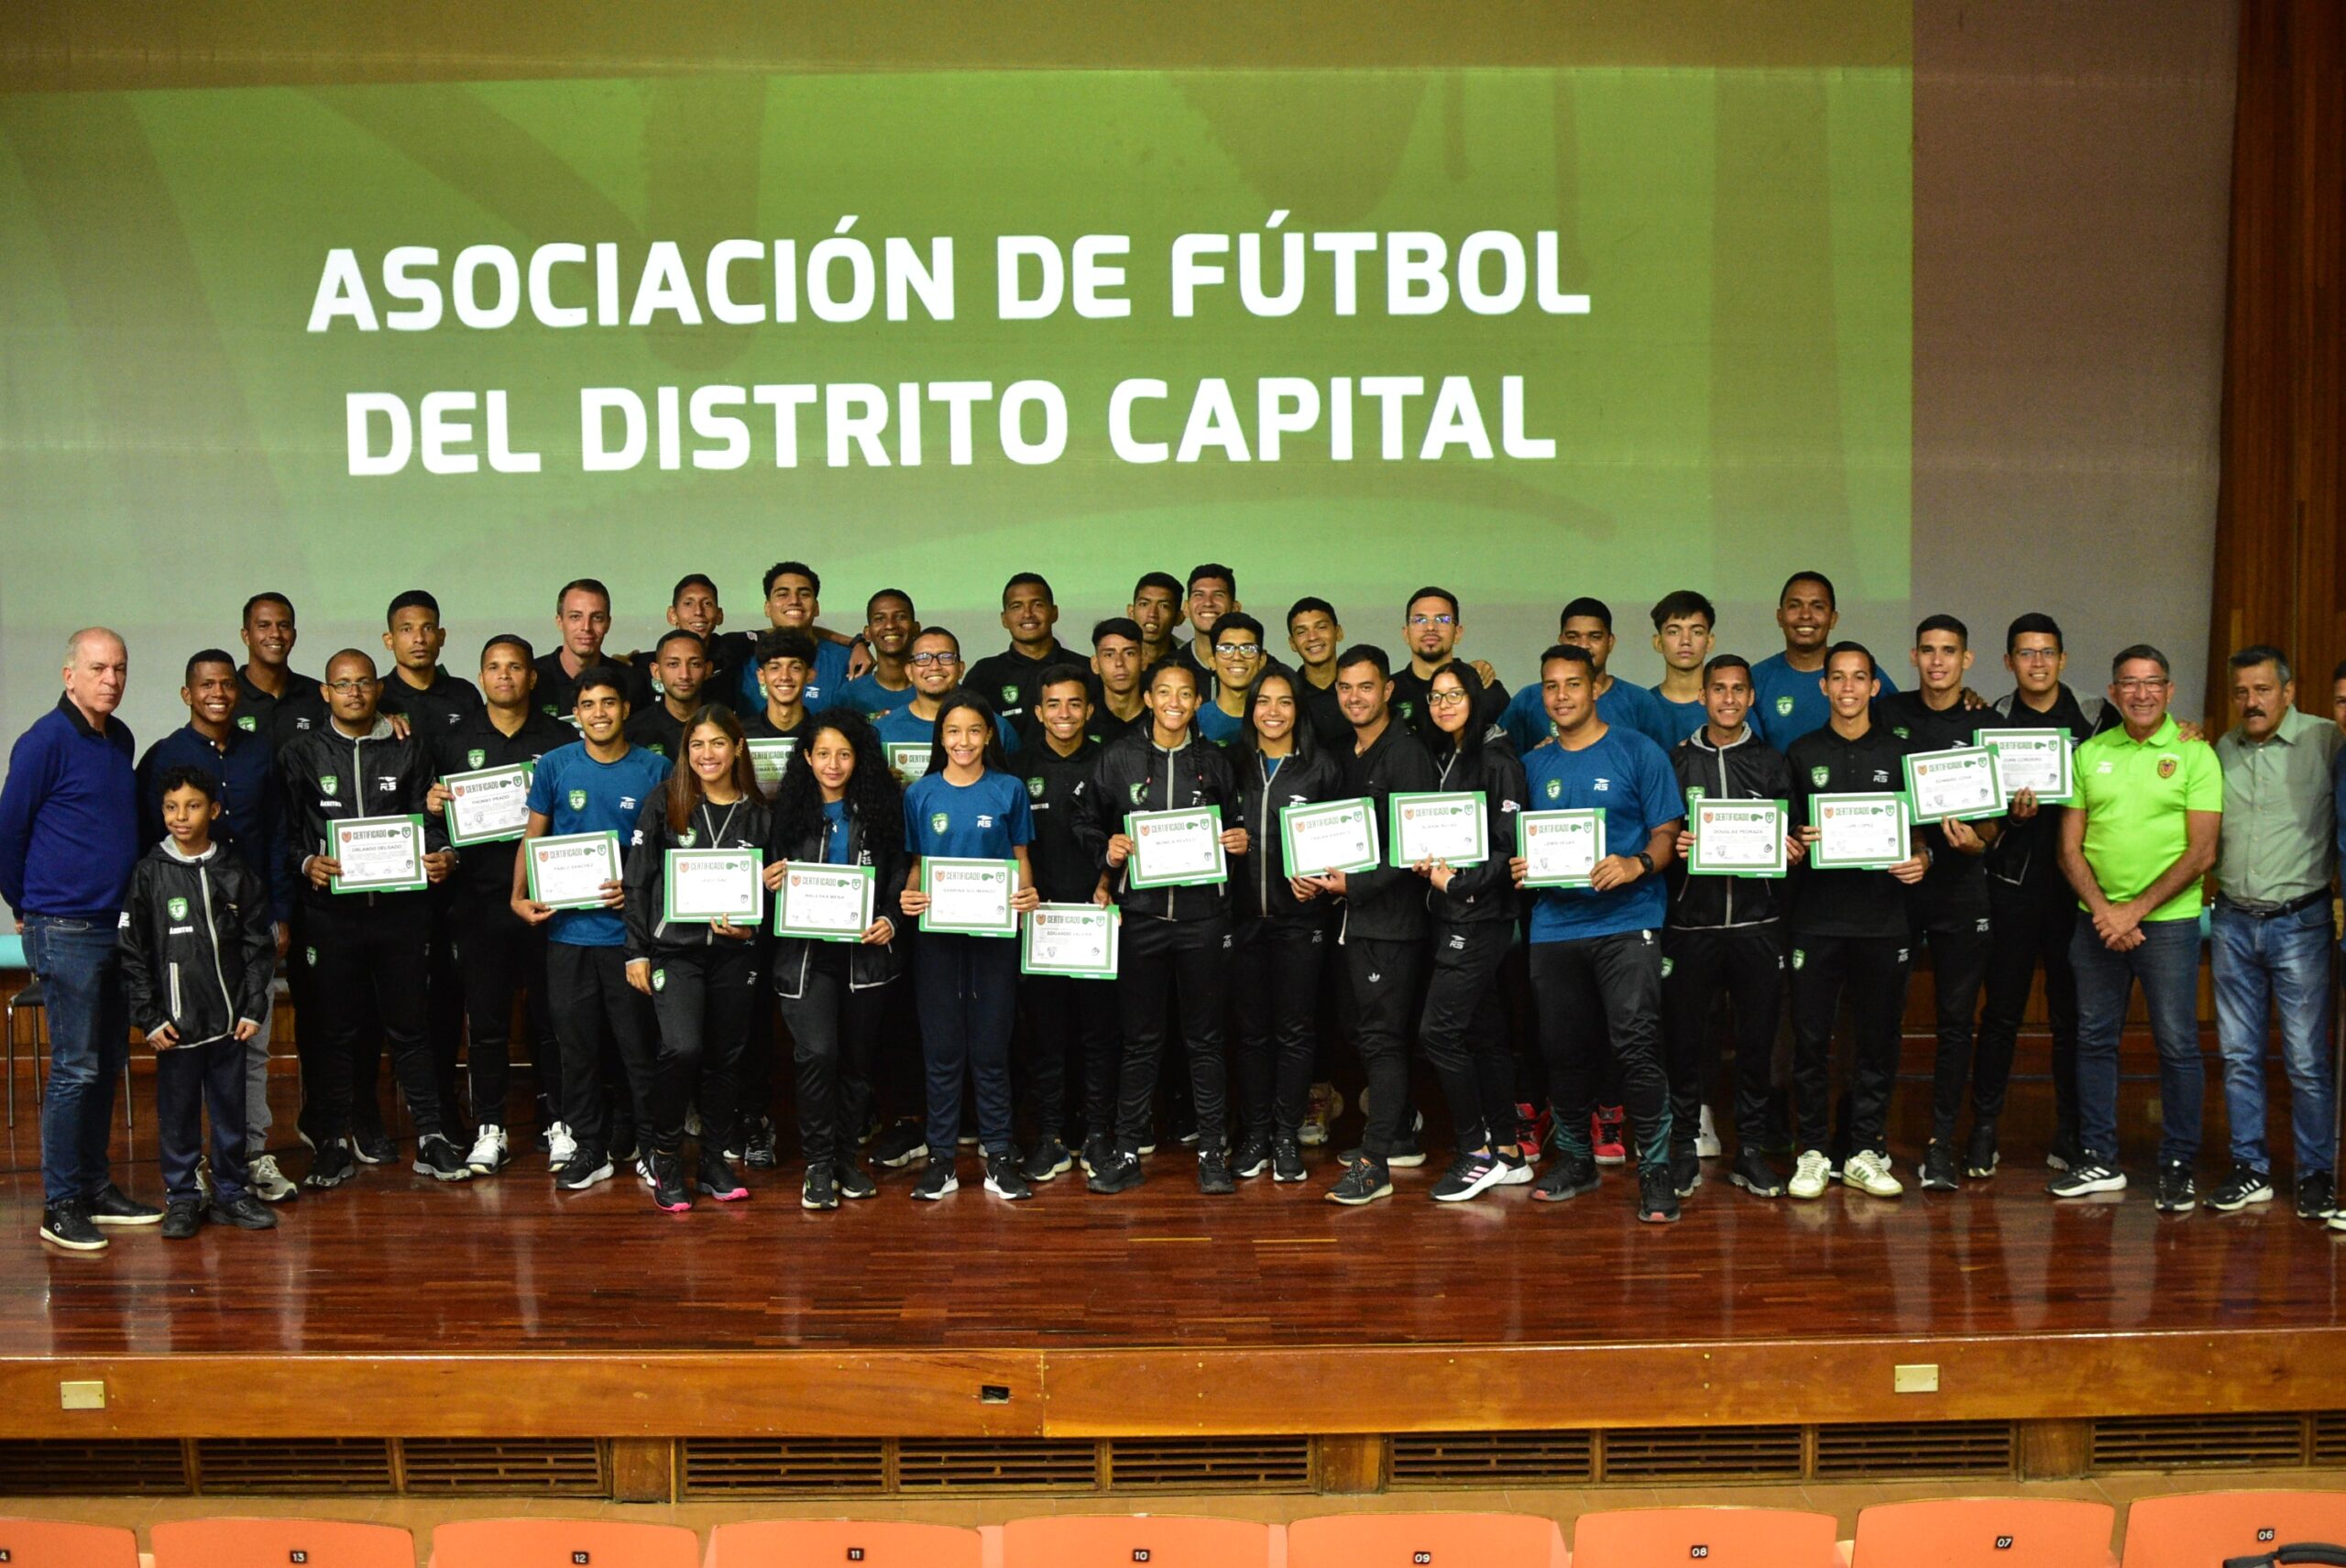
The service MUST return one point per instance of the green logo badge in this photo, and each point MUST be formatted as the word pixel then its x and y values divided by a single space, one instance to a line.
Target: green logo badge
pixel 577 800
pixel 1668 965
pixel 684 840
pixel 937 822
pixel 1035 788
pixel 659 979
pixel 1902 732
pixel 1819 774
pixel 1555 789
pixel 1137 789
pixel 177 907
pixel 330 782
pixel 1784 706
pixel 1694 793
pixel 1800 958
pixel 476 757
pixel 658 747
pixel 311 956
pixel 247 723
pixel 1010 695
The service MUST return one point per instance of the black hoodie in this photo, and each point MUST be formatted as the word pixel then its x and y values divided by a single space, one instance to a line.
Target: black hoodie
pixel 198 951
pixel 1750 768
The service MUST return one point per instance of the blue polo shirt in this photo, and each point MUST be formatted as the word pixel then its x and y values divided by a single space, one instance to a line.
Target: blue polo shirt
pixel 576 793
pixel 1621 706
pixel 1683 717
pixel 1217 726
pixel 823 689
pixel 903 726
pixel 867 696
pixel 1629 778
pixel 982 822
pixel 1786 704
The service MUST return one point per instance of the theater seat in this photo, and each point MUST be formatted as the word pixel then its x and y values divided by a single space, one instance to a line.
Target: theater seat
pixel 839 1543
pixel 562 1543
pixel 52 1543
pixel 1425 1540
pixel 1984 1532
pixel 2202 1529
pixel 1120 1540
pixel 272 1544
pixel 1717 1538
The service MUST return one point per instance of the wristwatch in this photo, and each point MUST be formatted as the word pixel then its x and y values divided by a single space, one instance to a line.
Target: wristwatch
pixel 1644 860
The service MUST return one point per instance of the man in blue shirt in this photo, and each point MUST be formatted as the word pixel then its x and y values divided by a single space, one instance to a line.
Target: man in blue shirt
pixel 68 841
pixel 1596 949
pixel 890 624
pixel 597 785
pixel 1587 624
pixel 1788 688
pixel 1684 626
pixel 251 825
pixel 794 598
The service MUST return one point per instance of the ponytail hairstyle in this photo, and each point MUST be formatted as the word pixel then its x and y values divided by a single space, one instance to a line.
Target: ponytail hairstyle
pixel 957 698
pixel 685 792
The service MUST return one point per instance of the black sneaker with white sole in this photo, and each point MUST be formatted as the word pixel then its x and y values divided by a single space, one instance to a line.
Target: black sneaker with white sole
pixel 905 1144
pixel 2245 1185
pixel 758 1146
pixel 1364 1181
pixel 2176 1193
pixel 1755 1175
pixel 113 1206
pixel 1119 1172
pixel 372 1146
pixel 1407 1152
pixel 1657 1196
pixel 1286 1158
pixel 2085 1177
pixel 1254 1157
pixel 330 1167
pixel 1049 1159
pixel 1213 1174
pixel 2316 1195
pixel 1685 1172
pixel 245 1212
pixel 1940 1173
pixel 438 1158
pixel 1469 1177
pixel 939 1180
pixel 1979 1157
pixel 585 1168
pixel 67 1225
pixel 854 1184
pixel 820 1191
pixel 1004 1179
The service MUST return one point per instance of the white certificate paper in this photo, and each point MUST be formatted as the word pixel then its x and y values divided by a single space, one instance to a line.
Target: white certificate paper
pixel 1329 836
pixel 769 754
pixel 378 854
pixel 1176 849
pixel 704 886
pixel 1449 826
pixel 567 871
pixel 971 897
pixel 1959 783
pixel 908 760
pixel 1858 832
pixel 488 805
pixel 1074 939
pixel 2033 759
pixel 828 902
pixel 1560 848
pixel 1737 838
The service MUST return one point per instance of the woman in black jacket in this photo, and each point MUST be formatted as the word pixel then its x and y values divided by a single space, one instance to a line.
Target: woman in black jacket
pixel 838 806
pixel 1472 908
pixel 1279 932
pixel 702 976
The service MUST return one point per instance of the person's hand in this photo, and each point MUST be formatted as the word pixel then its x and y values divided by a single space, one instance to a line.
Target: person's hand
pixel 320 869
pixel 1437 873
pixel 530 911
pixel 1119 849
pixel 615 894
pixel 1025 899
pixel 399 725
pixel 639 974
pixel 1518 868
pixel 2187 730
pixel 1808 833
pixel 1961 838
pixel 1795 848
pixel 915 901
pixel 284 939
pixel 1686 845
pixel 1615 870
pixel 1100 897
pixel 1910 870
pixel 1304 889
pixel 1233 840
pixel 436 799
pixel 859 658
pixel 1971 699
pixel 2116 920
pixel 2023 804
pixel 245 1030
pixel 438 865
pixel 773 876
pixel 164 1037
pixel 731 932
pixel 879 932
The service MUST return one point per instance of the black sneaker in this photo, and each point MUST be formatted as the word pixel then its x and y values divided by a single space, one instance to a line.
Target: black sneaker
pixel 372 1146
pixel 1573 1175
pixel 719 1178
pixel 2086 1176
pixel 1979 1157
pixel 1004 1179
pixel 854 1185
pixel 899 1146
pixel 938 1180
pixel 1120 1172
pixel 1097 1150
pixel 113 1206
pixel 1364 1181
pixel 1657 1195
pixel 245 1212
pixel 1469 1177
pixel 1939 1172
pixel 2317 1196
pixel 1254 1157
pixel 583 1169
pixel 2176 1195
pixel 2244 1186
pixel 331 1165
pixel 820 1191
pixel 757 1148
pixel 1213 1175
pixel 1406 1153
pixel 67 1225
pixel 1286 1158
pixel 1185 1124
pixel 1685 1172
pixel 438 1158
pixel 182 1217
pixel 2067 1154
pixel 669 1192
pixel 1049 1160
pixel 1755 1175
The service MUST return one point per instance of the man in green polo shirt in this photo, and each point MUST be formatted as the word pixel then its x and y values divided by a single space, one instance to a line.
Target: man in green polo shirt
pixel 2270 944
pixel 2135 844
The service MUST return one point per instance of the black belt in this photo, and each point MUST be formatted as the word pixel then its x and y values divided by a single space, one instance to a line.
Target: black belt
pixel 2275 911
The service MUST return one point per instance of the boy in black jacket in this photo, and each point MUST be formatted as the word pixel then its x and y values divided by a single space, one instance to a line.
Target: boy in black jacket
pixel 198 954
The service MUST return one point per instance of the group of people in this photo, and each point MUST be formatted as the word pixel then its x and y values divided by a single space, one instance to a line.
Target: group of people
pixel 161 892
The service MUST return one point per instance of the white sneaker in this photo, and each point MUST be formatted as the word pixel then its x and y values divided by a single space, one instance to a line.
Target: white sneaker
pixel 2338 1222
pixel 488 1153
pixel 1809 1174
pixel 560 1145
pixel 266 1182
pixel 1707 1138
pixel 1867 1170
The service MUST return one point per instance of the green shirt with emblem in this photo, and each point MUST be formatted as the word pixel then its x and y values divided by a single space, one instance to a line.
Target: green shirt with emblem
pixel 2137 795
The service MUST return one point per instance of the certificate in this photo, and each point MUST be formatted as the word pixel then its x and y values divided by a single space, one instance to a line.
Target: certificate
pixel 769 754
pixel 1960 781
pixel 1560 848
pixel 1858 832
pixel 378 854
pixel 1737 838
pixel 1078 940
pixel 2033 759
pixel 827 902
pixel 488 805
pixel 1329 836
pixel 908 760
pixel 1176 849
pixel 1449 826
pixel 705 887
pixel 567 871
pixel 971 897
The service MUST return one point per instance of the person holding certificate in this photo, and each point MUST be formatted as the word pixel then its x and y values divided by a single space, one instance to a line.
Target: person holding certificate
pixel 967 805
pixel 498 953
pixel 595 785
pixel 367 952
pixel 1594 952
pixel 838 808
pixel 692 914
pixel 1463 1026
pixel 1725 933
pixel 1278 937
pixel 1173 936
pixel 1849 939
pixel 785 661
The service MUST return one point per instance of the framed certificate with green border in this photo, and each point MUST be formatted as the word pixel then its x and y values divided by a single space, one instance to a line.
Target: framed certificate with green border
pixel 1737 838
pixel 567 871
pixel 1868 832
pixel 488 805
pixel 705 887
pixel 1176 849
pixel 2040 759
pixel 769 754
pixel 1958 783
pixel 1329 836
pixel 968 897
pixel 1451 825
pixel 1560 848
pixel 908 760
pixel 1076 941
pixel 824 903
pixel 378 854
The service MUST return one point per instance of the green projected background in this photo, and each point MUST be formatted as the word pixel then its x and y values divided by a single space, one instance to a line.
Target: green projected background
pixel 1735 401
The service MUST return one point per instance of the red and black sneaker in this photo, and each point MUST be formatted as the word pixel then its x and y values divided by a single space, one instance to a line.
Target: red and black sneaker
pixel 1604 1136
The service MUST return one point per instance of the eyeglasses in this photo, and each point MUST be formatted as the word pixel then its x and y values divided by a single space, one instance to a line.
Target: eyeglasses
pixel 1445 699
pixel 1252 650
pixel 2157 682
pixel 352 688
pixel 1434 621
pixel 934 658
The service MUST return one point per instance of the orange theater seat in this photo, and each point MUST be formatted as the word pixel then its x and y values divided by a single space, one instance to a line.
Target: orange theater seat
pixel 2201 1530
pixel 562 1543
pixel 1985 1532
pixel 841 1543
pixel 1425 1540
pixel 1716 1538
pixel 52 1543
pixel 1123 1540
pixel 272 1544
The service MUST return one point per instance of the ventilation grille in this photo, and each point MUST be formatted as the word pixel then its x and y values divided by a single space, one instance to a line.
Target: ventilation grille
pixel 2175 1442
pixel 1705 1453
pixel 782 1468
pixel 1210 1464
pixel 34 1467
pixel 307 1465
pixel 1490 1458
pixel 2330 1438
pixel 995 1464
pixel 492 1467
pixel 1915 1448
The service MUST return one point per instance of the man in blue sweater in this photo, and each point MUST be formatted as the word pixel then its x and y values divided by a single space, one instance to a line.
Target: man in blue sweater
pixel 69 837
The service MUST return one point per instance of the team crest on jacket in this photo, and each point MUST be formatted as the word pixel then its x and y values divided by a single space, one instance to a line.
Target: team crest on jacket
pixel 1819 775
pixel 1555 789
pixel 1784 706
pixel 2167 767
pixel 330 782
pixel 1010 694
pixel 247 723
pixel 659 979
pixel 476 757
pixel 1694 794
pixel 686 839
pixel 1138 787
pixel 1902 732
pixel 177 907
pixel 937 821
pixel 577 800
pixel 1035 789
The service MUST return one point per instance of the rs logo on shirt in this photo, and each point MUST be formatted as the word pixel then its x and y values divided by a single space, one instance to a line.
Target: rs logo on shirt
pixel 984 820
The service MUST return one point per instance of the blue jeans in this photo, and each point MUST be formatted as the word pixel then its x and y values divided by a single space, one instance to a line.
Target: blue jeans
pixel 2284 962
pixel 89 1042
pixel 2167 963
